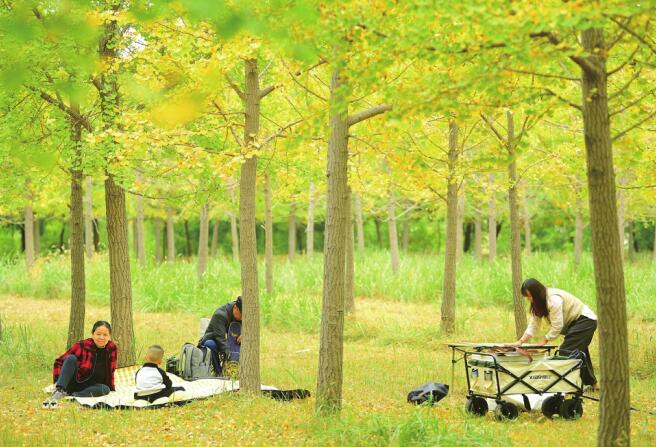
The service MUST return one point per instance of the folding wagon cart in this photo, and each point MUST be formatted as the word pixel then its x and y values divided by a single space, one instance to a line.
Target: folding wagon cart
pixel 501 372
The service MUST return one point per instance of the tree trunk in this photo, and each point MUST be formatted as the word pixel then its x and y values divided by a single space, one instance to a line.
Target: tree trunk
pixel 478 236
pixel 170 235
pixel 527 226
pixel 96 235
pixel 329 378
pixel 29 237
pixel 187 238
pixel 349 282
pixel 139 233
pixel 62 233
pixel 391 226
pixel 202 241
pixel 268 236
pixel 78 286
pixel 515 232
pixel 291 233
pixel 233 230
pixel 88 219
pixel 448 310
pixel 621 213
pixel 492 222
pixel 158 240
pixel 215 238
pixel 631 243
pixel 134 237
pixel 614 418
pixel 359 223
pixel 310 223
pixel 578 229
pixel 249 373
pixel 120 284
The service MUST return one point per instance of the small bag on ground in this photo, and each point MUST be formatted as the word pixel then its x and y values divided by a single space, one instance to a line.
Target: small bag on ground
pixel 430 392
pixel 195 362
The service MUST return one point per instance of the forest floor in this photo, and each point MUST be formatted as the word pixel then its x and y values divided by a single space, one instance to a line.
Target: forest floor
pixel 390 348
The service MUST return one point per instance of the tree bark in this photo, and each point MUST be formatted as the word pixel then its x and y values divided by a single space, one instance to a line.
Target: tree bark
pixel 268 236
pixel 359 223
pixel 578 229
pixel 120 283
pixel 492 221
pixel 515 232
pixel 96 235
pixel 621 213
pixel 78 286
pixel 215 238
pixel 329 378
pixel 614 420
pixel 202 241
pixel 391 226
pixel 310 223
pixel 291 233
pixel 88 218
pixel 62 233
pixel 28 226
pixel 234 232
pixel 478 236
pixel 158 240
pixel 249 374
pixel 349 280
pixel 139 233
pixel 448 311
pixel 170 235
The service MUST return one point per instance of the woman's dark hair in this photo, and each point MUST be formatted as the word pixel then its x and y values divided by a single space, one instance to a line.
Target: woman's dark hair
pixel 539 294
pixel 101 323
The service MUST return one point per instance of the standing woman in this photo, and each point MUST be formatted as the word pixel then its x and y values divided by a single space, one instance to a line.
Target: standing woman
pixel 568 316
pixel 87 368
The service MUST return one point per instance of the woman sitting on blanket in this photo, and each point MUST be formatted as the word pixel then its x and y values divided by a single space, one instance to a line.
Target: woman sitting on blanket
pixel 87 368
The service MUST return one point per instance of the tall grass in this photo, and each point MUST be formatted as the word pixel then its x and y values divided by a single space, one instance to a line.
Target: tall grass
pixel 298 286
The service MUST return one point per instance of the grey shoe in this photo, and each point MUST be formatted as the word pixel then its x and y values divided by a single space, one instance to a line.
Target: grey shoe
pixel 53 401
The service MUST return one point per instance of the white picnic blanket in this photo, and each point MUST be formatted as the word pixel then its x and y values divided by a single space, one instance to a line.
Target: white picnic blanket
pixel 123 397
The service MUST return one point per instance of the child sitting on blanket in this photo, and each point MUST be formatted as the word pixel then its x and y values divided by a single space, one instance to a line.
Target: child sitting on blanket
pixel 151 381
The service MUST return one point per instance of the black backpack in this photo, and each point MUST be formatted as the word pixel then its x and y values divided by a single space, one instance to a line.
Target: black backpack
pixel 431 392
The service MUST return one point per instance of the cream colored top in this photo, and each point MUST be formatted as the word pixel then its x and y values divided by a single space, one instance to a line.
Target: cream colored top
pixel 564 308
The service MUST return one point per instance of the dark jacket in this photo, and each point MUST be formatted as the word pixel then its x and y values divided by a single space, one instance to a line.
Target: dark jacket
pixel 85 351
pixel 218 327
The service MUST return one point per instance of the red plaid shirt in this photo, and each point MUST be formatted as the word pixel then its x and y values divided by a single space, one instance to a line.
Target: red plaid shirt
pixel 85 351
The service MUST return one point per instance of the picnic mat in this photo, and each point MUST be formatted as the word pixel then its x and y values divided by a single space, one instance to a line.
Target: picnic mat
pixel 123 397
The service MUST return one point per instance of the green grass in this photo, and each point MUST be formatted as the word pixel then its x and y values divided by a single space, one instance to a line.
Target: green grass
pixel 297 286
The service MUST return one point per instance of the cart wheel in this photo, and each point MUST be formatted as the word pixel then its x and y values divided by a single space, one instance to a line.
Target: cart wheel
pixel 476 405
pixel 571 409
pixel 506 411
pixel 551 406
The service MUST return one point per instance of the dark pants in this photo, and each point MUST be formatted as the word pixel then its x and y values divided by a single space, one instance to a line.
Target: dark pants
pixel 68 381
pixel 234 331
pixel 579 336
pixel 166 392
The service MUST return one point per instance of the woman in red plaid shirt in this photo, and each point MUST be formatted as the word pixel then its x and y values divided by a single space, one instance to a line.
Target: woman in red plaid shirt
pixel 87 368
